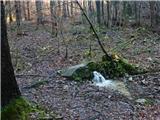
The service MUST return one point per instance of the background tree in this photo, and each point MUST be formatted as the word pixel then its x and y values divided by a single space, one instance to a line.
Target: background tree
pixel 39 12
pixel 9 11
pixel 28 10
pixel 53 21
pixel 9 86
pixel 98 12
pixel 24 10
pixel 18 16
pixel 152 12
pixel 108 14
pixel 71 7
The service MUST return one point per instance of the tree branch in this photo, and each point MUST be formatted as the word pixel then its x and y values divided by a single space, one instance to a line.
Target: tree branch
pixel 99 42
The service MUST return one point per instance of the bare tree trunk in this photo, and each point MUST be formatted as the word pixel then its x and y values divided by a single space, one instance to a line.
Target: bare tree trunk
pixel 18 17
pixel 152 13
pixel 9 85
pixel 116 12
pixel 68 11
pixel 24 10
pixel 89 9
pixel 39 12
pixel 124 13
pixel 139 14
pixel 71 7
pixel 53 21
pixel 59 8
pixel 64 10
pixel 10 12
pixel 108 14
pixel 157 13
pixel 135 10
pixel 28 11
pixel 103 19
pixel 98 12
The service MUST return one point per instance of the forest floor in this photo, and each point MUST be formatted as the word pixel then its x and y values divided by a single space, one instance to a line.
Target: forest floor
pixel 36 60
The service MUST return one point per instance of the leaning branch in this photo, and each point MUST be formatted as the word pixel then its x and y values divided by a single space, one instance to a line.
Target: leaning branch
pixel 99 42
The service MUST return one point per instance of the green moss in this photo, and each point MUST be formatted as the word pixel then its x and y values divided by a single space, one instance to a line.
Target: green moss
pixel 117 67
pixel 18 109
pixel 149 101
pixel 85 72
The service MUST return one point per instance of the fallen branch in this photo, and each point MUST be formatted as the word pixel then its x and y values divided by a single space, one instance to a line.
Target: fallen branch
pixel 32 75
pixel 99 42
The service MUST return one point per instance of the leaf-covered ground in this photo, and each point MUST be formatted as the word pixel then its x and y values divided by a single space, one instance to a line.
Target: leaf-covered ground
pixel 37 56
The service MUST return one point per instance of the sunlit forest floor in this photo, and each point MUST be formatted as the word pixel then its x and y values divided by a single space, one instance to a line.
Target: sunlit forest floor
pixel 37 56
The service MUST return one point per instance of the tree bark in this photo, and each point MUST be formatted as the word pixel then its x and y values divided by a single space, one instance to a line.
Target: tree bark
pixel 139 14
pixel 64 10
pixel 53 21
pixel 98 12
pixel 18 16
pixel 71 8
pixel 10 12
pixel 10 88
pixel 152 13
pixel 39 12
pixel 135 10
pixel 103 12
pixel 68 11
pixel 28 11
pixel 157 13
pixel 108 14
pixel 24 10
pixel 90 9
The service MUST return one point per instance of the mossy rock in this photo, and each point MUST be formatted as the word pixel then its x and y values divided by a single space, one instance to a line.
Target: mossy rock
pixel 79 72
pixel 117 67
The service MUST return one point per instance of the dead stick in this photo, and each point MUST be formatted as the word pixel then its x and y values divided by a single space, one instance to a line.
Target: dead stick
pixel 108 57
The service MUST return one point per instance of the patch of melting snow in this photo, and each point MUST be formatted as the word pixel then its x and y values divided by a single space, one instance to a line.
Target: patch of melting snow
pixel 119 86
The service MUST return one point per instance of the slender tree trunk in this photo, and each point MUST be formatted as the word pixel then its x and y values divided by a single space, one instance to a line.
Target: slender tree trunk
pixel 18 17
pixel 124 13
pixel 139 14
pixel 103 19
pixel 89 9
pixel 10 12
pixel 135 10
pixel 64 10
pixel 59 8
pixel 71 8
pixel 157 13
pixel 152 13
pixel 24 10
pixel 28 11
pixel 9 85
pixel 98 12
pixel 68 11
pixel 116 12
pixel 39 12
pixel 54 24
pixel 108 14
